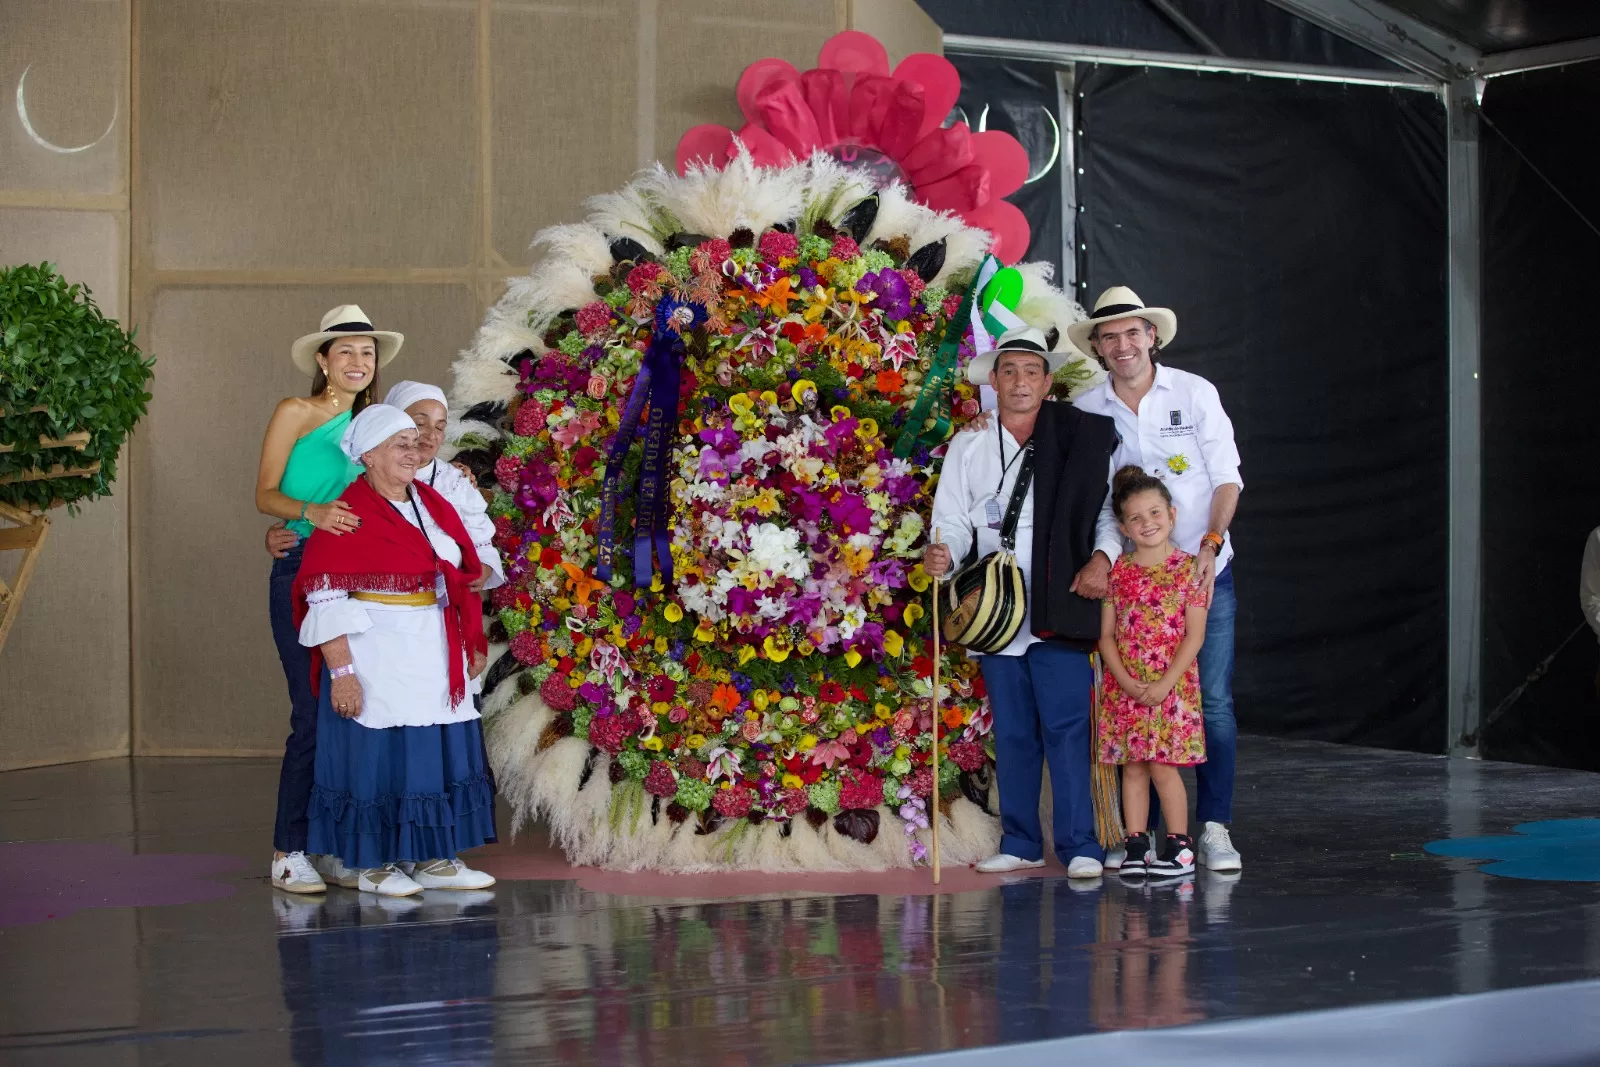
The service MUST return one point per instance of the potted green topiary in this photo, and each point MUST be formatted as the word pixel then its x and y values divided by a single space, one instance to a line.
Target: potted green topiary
pixel 72 384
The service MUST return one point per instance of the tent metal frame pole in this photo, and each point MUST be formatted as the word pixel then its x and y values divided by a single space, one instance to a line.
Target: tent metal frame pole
pixel 1052 52
pixel 1067 115
pixel 1465 606
pixel 1540 57
pixel 1391 33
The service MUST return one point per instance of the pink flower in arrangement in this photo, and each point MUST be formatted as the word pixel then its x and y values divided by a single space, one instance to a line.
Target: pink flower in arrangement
pixel 678 714
pixel 717 250
pixel 525 647
pixel 733 803
pixel 607 732
pixel 890 124
pixel 577 428
pixel 844 247
pixel 594 318
pixel 643 277
pixel 530 419
pixel 968 755
pixel 557 694
pixel 921 782
pixel 751 730
pixel 660 781
pixel 863 791
pixel 776 245
pixel 829 752
pixel 507 471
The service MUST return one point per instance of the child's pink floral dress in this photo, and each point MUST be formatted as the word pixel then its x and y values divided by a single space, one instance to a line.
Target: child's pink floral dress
pixel 1149 603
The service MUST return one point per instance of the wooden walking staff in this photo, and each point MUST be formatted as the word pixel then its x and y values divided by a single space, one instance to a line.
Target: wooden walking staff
pixel 933 801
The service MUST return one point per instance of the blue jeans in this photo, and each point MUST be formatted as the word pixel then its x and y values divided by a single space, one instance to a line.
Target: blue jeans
pixel 300 750
pixel 1041 715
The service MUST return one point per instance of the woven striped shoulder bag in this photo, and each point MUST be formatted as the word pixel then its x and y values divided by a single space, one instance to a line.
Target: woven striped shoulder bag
pixel 986 602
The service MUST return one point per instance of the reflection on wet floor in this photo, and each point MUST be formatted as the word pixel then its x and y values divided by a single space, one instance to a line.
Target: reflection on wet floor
pixel 1337 906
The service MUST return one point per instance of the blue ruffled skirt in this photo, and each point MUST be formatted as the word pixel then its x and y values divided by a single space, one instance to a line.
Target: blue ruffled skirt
pixel 405 793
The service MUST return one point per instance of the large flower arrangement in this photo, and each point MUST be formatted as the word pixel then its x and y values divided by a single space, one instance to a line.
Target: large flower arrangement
pixel 712 475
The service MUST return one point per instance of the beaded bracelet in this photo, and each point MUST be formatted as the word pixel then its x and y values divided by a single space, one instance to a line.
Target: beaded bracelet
pixel 303 505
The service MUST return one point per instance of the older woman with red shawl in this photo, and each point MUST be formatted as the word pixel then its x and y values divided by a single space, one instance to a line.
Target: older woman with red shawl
pixel 395 625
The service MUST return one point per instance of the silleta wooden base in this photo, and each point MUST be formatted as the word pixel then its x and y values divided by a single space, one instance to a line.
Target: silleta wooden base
pixel 26 536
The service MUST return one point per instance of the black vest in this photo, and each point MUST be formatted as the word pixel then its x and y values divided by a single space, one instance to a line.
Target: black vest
pixel 1072 457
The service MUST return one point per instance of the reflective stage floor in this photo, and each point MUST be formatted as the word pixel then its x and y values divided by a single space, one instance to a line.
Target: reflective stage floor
pixel 137 927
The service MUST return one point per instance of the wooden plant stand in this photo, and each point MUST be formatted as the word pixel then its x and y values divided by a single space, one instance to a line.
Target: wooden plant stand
pixel 27 531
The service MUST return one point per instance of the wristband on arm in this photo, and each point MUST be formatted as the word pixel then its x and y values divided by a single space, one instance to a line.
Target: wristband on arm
pixel 303 505
pixel 1214 540
pixel 342 672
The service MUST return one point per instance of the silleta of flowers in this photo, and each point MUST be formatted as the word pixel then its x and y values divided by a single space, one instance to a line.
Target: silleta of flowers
pixel 714 412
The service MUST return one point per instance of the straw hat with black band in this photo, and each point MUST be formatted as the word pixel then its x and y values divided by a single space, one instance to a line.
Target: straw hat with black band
pixel 346 320
pixel 1022 339
pixel 1120 302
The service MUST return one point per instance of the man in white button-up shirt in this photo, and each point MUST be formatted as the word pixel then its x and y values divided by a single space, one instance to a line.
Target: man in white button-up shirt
pixel 1172 424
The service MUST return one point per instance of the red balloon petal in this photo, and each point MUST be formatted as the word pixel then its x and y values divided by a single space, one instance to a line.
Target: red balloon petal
pixel 941 85
pixel 938 155
pixel 756 77
pixel 1009 226
pixel 869 103
pixel 787 117
pixel 902 122
pixel 855 52
pixel 829 100
pixel 1005 158
pixel 704 144
pixel 964 190
pixel 765 149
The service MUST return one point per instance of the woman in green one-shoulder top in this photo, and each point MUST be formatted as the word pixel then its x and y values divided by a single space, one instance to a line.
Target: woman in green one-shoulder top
pixel 303 470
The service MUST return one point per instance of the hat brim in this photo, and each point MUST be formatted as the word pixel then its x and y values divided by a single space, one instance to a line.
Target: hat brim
pixel 981 366
pixel 1165 322
pixel 304 351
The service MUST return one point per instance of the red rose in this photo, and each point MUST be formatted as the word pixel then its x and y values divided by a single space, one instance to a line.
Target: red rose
pixel 549 558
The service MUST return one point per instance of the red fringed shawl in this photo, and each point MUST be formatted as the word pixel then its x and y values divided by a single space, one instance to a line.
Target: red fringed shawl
pixel 387 554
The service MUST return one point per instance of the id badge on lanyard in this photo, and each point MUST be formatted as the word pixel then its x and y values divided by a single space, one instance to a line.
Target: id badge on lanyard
pixel 439 588
pixel 991 512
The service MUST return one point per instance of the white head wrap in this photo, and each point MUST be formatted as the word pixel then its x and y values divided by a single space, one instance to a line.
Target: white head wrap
pixel 375 425
pixel 403 394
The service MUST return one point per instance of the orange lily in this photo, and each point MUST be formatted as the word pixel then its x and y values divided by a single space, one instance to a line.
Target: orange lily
pixel 775 297
pixel 582 586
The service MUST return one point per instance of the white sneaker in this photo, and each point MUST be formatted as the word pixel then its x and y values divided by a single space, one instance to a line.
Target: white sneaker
pixel 295 874
pixel 1003 863
pixel 336 873
pixel 449 874
pixel 1084 867
pixel 1114 858
pixel 1216 849
pixel 387 881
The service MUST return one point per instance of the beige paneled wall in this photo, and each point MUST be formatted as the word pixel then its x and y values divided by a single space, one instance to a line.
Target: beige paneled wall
pixel 286 156
pixel 64 690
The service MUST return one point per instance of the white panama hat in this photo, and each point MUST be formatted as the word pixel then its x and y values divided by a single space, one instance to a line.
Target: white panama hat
pixel 1120 302
pixel 343 321
pixel 1022 339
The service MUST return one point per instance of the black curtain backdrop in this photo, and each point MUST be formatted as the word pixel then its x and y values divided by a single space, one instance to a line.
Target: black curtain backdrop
pixel 1021 99
pixel 1299 232
pixel 1541 382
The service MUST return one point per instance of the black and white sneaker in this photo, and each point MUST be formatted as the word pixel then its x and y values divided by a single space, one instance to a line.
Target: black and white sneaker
pixel 1176 859
pixel 1138 855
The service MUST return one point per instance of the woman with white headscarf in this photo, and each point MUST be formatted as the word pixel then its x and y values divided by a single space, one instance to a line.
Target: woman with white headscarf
pixel 428 408
pixel 394 622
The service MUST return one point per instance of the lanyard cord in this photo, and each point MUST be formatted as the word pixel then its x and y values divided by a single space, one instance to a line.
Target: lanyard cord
pixel 1005 466
pixel 418 512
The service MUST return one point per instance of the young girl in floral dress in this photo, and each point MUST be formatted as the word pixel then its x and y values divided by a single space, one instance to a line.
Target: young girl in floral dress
pixel 1152 625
